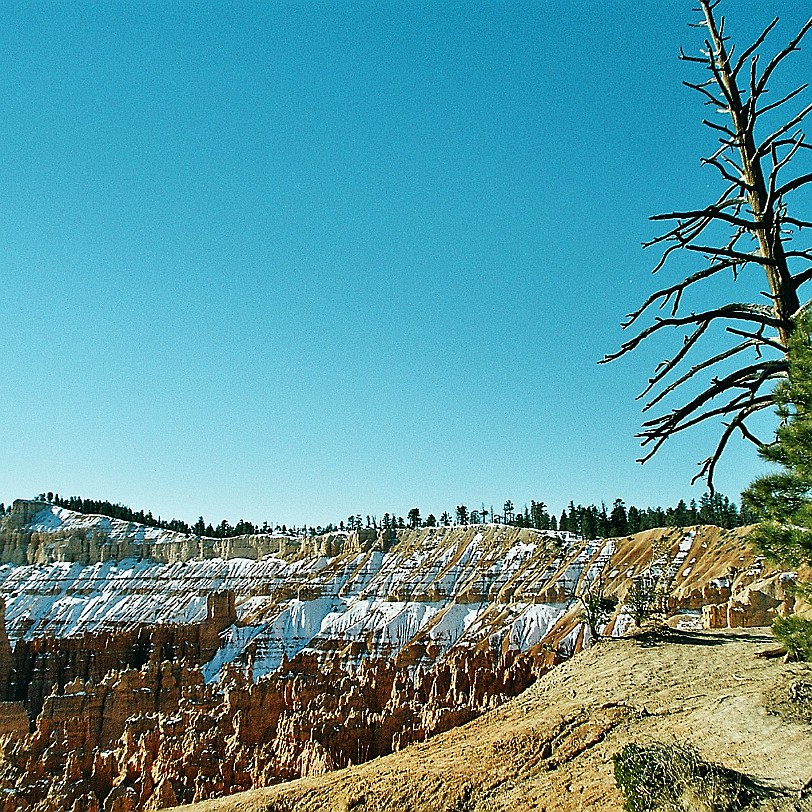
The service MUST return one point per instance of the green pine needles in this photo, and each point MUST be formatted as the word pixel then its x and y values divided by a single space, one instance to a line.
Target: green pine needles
pixel 783 500
pixel 795 634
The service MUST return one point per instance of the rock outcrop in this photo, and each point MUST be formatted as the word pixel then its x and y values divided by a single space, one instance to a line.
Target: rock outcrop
pixel 40 666
pixel 375 591
pixel 148 738
pixel 40 533
pixel 755 603
pixel 143 668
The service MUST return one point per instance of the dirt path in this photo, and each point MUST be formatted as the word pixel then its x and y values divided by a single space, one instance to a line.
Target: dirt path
pixel 551 748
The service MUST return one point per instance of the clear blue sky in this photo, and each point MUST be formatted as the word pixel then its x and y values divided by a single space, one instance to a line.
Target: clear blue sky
pixel 294 260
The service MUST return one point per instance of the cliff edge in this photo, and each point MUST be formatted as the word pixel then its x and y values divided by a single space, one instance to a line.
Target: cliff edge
pixel 551 748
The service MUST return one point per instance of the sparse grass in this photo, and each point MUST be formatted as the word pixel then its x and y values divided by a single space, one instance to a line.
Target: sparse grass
pixel 675 777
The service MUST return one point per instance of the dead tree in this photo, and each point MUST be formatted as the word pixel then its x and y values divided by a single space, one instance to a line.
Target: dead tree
pixel 748 228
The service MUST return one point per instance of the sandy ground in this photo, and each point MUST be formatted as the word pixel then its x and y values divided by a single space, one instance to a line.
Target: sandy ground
pixel 551 748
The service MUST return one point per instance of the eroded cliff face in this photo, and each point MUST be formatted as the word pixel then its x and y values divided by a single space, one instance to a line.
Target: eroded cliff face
pixel 153 737
pixel 41 665
pixel 429 590
pixel 136 683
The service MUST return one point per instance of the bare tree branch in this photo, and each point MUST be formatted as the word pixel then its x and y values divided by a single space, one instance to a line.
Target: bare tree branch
pixel 717 251
pixel 677 288
pixel 796 183
pixel 758 339
pixel 708 467
pixel 710 213
pixel 776 105
pixel 747 52
pixel 781 55
pixel 694 370
pixel 742 312
pixel 768 141
pixel 752 212
pixel 666 366
pixel 805 276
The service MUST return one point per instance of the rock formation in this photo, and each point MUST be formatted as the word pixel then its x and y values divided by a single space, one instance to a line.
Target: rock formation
pixel 156 736
pixel 144 668
pixel 44 664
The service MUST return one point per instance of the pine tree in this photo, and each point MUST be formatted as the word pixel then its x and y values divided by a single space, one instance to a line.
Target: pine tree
pixel 572 516
pixel 539 516
pixel 634 519
pixel 589 524
pixel 618 521
pixel 783 500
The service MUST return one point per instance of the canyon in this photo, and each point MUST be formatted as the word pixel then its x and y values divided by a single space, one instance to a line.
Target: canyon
pixel 143 668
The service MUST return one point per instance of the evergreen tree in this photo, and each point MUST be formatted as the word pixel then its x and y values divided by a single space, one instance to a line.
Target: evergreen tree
pixel 572 517
pixel 414 518
pixel 681 517
pixel 783 500
pixel 633 516
pixel 603 521
pixel 618 520
pixel 539 517
pixel 588 522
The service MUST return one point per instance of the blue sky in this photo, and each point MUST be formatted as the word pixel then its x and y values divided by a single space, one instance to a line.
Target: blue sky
pixel 292 261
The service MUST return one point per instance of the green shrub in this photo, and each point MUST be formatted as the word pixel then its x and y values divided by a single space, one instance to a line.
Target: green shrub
pixel 644 776
pixel 796 635
pixel 675 777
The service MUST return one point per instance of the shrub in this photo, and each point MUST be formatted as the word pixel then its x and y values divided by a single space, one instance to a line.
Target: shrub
pixel 643 599
pixel 796 635
pixel 675 777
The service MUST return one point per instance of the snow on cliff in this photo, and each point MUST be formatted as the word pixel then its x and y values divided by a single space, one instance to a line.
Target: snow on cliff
pixel 376 593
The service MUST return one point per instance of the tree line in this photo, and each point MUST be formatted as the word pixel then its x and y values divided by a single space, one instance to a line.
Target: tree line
pixel 589 521
pixel 200 528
